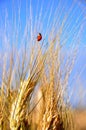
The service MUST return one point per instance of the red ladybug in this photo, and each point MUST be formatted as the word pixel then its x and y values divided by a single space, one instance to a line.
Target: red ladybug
pixel 39 37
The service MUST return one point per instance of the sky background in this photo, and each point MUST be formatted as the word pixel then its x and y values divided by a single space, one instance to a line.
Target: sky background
pixel 43 16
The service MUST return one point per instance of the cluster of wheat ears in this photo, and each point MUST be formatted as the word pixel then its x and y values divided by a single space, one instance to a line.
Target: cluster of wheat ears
pixel 33 85
pixel 37 102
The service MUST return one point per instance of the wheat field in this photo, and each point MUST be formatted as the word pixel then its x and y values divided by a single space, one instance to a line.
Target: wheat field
pixel 34 76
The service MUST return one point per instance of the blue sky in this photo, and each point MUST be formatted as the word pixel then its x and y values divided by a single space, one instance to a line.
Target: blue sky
pixel 43 15
pixel 44 11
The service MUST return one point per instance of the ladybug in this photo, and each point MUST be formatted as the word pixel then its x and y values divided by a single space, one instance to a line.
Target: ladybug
pixel 39 37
